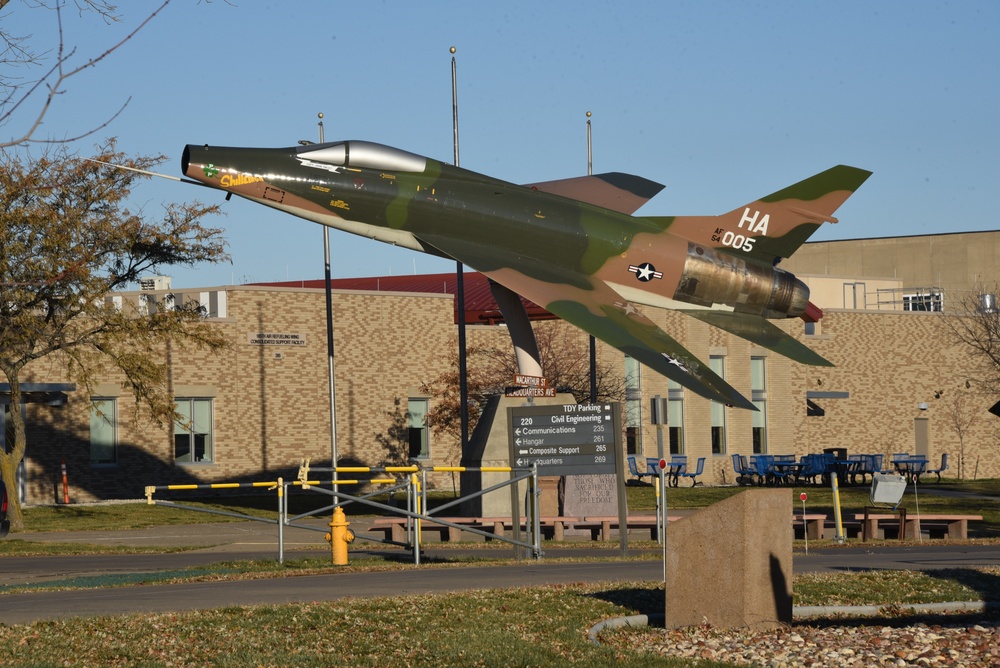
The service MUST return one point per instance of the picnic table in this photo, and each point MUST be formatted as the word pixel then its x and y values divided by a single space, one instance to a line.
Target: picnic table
pixel 676 465
pixel 910 467
pixel 785 470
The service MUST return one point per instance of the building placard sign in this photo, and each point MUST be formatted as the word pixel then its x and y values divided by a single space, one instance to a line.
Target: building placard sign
pixel 276 339
pixel 570 439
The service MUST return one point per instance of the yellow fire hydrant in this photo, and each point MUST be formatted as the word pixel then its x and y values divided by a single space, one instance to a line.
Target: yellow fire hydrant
pixel 340 537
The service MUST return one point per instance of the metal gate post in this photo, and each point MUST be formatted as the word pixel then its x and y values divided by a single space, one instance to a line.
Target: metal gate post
pixel 423 491
pixel 281 521
pixel 409 507
pixel 415 493
pixel 536 520
pixel 663 520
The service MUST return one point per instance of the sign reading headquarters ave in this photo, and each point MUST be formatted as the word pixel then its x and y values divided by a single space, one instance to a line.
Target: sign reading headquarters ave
pixel 568 439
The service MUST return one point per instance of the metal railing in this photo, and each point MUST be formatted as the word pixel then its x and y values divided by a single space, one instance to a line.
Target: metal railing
pixel 416 509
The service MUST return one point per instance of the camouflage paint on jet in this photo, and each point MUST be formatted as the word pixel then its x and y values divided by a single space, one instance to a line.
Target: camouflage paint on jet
pixel 572 246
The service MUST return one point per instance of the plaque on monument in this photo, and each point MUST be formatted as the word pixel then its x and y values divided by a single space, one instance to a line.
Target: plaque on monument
pixel 590 496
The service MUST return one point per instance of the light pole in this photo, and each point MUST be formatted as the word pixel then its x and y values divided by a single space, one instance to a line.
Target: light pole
pixel 463 383
pixel 593 341
pixel 329 338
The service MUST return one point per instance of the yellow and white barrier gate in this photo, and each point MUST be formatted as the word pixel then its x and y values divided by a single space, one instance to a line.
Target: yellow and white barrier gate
pixel 415 511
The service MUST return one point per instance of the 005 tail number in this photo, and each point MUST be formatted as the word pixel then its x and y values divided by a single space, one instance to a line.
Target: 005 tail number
pixel 739 241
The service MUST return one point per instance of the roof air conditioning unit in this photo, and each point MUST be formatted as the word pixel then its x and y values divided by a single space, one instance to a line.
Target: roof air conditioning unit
pixel 155 283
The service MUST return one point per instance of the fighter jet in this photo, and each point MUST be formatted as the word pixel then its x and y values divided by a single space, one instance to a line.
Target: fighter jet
pixel 572 246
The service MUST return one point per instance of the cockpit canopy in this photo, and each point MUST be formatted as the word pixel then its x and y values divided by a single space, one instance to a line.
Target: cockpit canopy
pixel 363 155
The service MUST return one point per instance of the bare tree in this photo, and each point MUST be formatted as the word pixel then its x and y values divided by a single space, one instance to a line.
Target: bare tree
pixel 31 81
pixel 975 324
pixel 396 438
pixel 67 240
pixel 962 411
pixel 565 360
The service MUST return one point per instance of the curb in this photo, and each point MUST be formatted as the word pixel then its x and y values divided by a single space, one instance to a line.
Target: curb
pixel 805 612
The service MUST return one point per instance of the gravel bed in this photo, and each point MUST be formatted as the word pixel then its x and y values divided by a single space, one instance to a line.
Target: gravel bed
pixel 919 644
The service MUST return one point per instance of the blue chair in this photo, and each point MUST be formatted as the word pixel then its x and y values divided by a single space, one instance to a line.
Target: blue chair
pixel 877 464
pixel 813 467
pixel 633 468
pixel 764 467
pixel 653 466
pixel 944 466
pixel 741 470
pixel 864 465
pixel 699 469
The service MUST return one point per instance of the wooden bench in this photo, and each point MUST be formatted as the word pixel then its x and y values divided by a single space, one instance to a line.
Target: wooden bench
pixel 601 526
pixel 815 524
pixel 553 526
pixel 950 526
pixel 395 527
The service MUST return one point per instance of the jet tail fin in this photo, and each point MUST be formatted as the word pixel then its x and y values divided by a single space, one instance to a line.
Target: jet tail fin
pixel 773 227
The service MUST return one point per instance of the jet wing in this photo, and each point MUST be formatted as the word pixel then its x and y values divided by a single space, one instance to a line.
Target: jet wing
pixel 761 331
pixel 596 308
pixel 623 193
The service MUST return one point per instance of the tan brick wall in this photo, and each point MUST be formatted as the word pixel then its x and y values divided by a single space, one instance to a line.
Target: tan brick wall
pixel 271 410
pixel 271 406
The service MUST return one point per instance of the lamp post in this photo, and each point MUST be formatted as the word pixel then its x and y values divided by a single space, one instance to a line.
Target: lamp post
pixel 593 341
pixel 329 339
pixel 463 383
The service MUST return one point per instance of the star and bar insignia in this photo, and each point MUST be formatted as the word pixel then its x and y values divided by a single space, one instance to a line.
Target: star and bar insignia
pixel 645 272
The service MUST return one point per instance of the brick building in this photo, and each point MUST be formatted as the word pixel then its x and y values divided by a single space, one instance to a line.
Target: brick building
pixel 260 407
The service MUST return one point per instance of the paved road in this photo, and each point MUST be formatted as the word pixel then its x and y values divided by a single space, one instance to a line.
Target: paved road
pixel 238 541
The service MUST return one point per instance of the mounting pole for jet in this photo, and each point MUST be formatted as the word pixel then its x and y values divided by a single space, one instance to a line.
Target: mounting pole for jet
pixel 329 339
pixel 529 361
pixel 463 382
pixel 593 339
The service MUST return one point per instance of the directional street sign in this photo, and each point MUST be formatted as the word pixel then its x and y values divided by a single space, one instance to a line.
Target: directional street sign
pixel 530 381
pixel 530 392
pixel 568 439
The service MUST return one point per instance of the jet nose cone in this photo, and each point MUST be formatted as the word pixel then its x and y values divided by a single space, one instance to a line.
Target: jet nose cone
pixel 194 161
pixel 186 160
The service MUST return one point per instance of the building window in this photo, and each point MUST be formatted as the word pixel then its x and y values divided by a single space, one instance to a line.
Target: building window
pixel 103 430
pixel 633 406
pixel 416 415
pixel 718 365
pixel 675 417
pixel 758 395
pixel 193 432
pixel 924 301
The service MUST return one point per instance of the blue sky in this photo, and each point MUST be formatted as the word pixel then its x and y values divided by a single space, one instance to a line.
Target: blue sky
pixel 722 102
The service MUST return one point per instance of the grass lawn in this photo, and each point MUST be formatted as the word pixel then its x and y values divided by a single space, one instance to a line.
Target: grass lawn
pixel 523 626
pixel 641 499
pixel 537 626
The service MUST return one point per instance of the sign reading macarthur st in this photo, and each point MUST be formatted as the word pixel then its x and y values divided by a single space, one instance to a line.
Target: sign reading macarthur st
pixel 570 439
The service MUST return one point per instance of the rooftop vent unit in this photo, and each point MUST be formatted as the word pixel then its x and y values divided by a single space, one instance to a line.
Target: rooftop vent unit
pixel 155 283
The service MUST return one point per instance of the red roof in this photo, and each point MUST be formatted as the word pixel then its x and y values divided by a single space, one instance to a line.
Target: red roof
pixel 480 306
